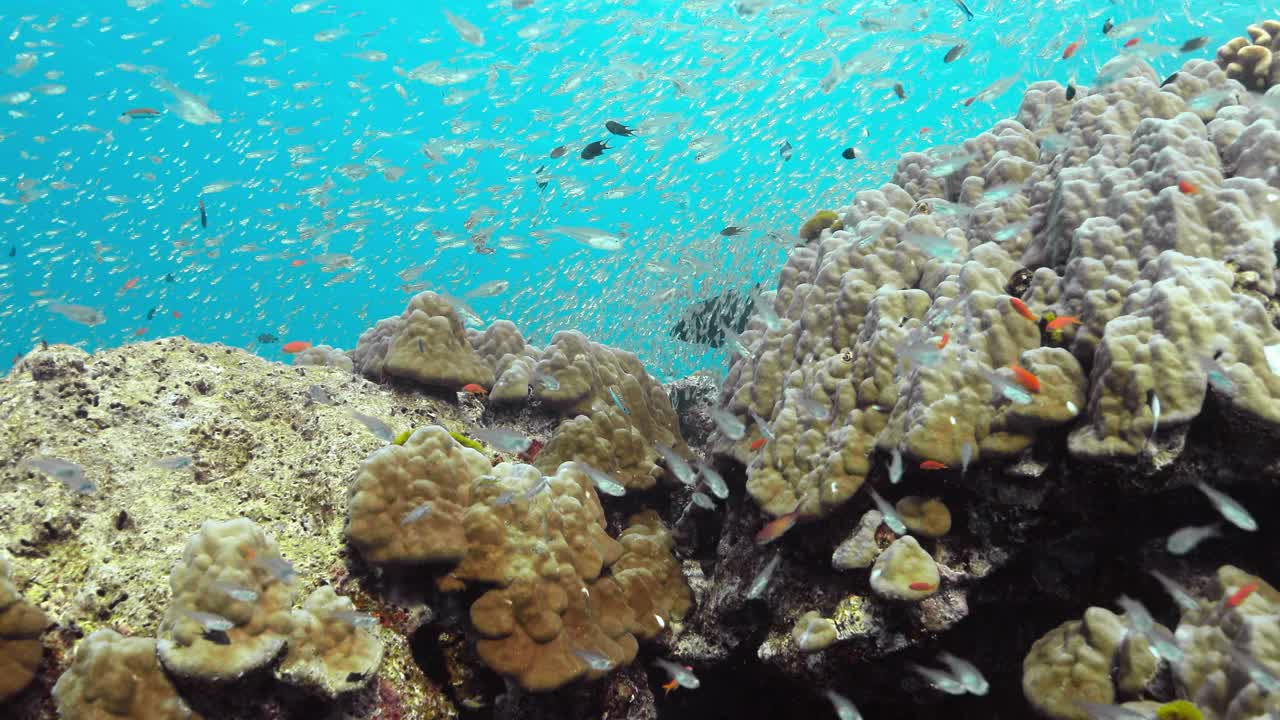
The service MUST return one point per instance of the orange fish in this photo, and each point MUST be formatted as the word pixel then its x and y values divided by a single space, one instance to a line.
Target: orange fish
pixel 177 315
pixel 969 102
pixel 776 528
pixel 296 346
pixel 1071 50
pixel 1023 310
pixel 1025 378
pixel 1131 42
pixel 932 465
pixel 297 263
pixel 921 586
pixel 924 131
pixel 142 112
pixel 669 686
pixel 757 444
pixel 130 284
pixel 1240 595
pixel 474 389
pixel 946 337
pixel 140 331
pixel 1062 321
pixel 1187 188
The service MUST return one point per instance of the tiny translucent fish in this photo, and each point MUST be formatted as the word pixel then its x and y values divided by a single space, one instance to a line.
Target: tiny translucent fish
pixel 1008 388
pixel 890 515
pixel 966 672
pixel 815 409
pixel 676 464
pixel 603 482
pixel 542 484
pixel 318 394
pixel 235 592
pixel 728 423
pixel 618 401
pixel 1185 540
pixel 763 303
pixel 714 480
pixel 845 709
pixel 69 473
pixel 703 501
pixel 1155 416
pixel 505 499
pixel 1181 596
pixel 966 457
pixel 505 440
pixel 280 568
pixel 762 579
pixel 416 514
pixel 356 619
pixel 173 462
pixel 895 466
pixel 1233 511
pixel 1137 614
pixel 760 423
pixel 682 675
pixel 489 289
pixel 211 622
pixel 548 381
pixel 79 313
pixel 467 32
pixel 1164 644
pixel 599 662
pixel 1258 672
pixel 939 679
pixel 375 426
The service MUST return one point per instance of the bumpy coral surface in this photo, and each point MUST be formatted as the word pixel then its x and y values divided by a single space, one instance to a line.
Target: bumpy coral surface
pixel 332 648
pixel 1146 214
pixel 232 593
pixel 20 627
pixel 650 576
pixel 114 676
pixel 1252 60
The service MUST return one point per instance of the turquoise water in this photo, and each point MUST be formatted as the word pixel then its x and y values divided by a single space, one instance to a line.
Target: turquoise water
pixel 356 141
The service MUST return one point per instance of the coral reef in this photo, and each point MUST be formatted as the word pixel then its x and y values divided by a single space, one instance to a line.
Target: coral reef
pixel 1251 60
pixel 114 676
pixel 21 625
pixel 324 356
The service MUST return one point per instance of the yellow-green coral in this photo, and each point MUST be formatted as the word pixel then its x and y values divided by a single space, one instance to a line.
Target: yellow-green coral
pixel 821 220
pixel 1179 710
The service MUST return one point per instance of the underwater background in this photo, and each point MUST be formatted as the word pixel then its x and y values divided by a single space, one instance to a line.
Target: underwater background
pixel 351 154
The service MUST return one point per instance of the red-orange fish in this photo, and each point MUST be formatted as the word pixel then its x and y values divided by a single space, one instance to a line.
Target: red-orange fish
pixel 140 331
pixel 1023 310
pixel 969 102
pixel 130 284
pixel 932 465
pixel 297 263
pixel 474 389
pixel 141 112
pixel 946 337
pixel 177 315
pixel 1187 188
pixel 921 586
pixel 1071 50
pixel 776 528
pixel 1242 594
pixel 1025 378
pixel 1131 42
pixel 296 346
pixel 1062 321
pixel 670 685
pixel 757 444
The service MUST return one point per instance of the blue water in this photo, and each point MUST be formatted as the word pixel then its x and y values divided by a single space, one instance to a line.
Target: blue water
pixel 89 202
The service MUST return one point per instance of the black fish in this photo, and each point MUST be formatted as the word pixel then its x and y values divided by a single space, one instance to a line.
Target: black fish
pixel 618 128
pixel 168 278
pixel 151 313
pixel 1169 79
pixel 731 231
pixel 968 14
pixel 204 219
pixel 849 154
pixel 13 250
pixel 594 150
pixel 217 637
pixel 900 91
pixel 560 151
pixel 955 53
pixel 537 177
pixel 1071 92
pixel 706 321
pixel 355 676
pixel 1107 27
pixel 785 149
pixel 1194 43
pixel 267 338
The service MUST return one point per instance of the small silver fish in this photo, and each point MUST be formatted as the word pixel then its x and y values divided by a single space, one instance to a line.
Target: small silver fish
pixel 603 482
pixel 211 622
pixel 505 440
pixel 280 568
pixel 728 423
pixel 618 401
pixel 1155 416
pixel 236 592
pixel 356 619
pixel 714 480
pixel 678 466
pixel 416 514
pixel 1233 511
pixel 173 462
pixel 682 675
pixel 542 484
pixel 69 473
pixel 317 394
pixel 1185 540
pixel 379 429
pixel 548 381
pixel 1137 614
pixel 939 679
pixel 764 427
pixel 895 467
pixel 845 709
pixel 890 515
pixel 966 672
pixel 703 501
pixel 762 579
pixel 1181 596
pixel 505 499
pixel 598 662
